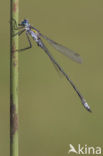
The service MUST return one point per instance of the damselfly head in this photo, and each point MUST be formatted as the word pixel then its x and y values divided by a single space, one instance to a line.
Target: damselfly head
pixel 24 23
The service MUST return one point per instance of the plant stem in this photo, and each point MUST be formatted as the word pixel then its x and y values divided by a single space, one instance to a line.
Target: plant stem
pixel 13 81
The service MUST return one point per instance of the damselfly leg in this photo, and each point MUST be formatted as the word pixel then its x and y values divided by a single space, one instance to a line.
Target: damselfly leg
pixel 19 33
pixel 30 44
pixel 15 26
pixel 26 48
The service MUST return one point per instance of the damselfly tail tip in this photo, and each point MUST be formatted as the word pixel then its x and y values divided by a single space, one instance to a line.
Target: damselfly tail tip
pixel 85 104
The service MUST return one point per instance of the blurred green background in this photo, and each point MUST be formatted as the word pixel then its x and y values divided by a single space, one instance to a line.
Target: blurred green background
pixel 51 115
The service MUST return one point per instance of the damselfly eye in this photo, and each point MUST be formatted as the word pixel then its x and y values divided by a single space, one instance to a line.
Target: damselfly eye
pixel 25 22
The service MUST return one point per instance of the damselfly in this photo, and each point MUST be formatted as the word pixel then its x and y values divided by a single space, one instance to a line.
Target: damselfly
pixel 25 26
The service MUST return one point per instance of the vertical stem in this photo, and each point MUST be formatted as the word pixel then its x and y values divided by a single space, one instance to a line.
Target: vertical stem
pixel 13 81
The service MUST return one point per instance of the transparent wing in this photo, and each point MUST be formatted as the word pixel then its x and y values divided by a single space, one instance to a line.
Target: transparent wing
pixel 66 51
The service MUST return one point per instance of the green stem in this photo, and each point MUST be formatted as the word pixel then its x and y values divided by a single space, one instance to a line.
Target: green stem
pixel 13 81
